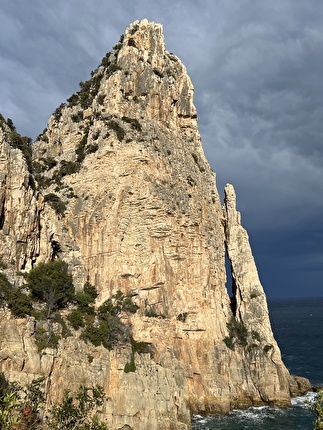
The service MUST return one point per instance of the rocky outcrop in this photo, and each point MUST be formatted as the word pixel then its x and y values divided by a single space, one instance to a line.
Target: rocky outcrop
pixel 127 198
pixel 19 206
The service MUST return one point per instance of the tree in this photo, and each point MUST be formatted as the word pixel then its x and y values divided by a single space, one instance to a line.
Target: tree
pixel 51 283
pixel 317 407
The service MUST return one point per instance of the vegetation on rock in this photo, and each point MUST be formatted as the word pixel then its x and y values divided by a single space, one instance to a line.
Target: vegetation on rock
pixel 21 408
pixel 56 203
pixel 316 406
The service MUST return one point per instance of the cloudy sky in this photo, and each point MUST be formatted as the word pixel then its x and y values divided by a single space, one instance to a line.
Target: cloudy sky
pixel 257 69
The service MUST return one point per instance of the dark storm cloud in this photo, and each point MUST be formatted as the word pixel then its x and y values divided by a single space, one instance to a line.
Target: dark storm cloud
pixel 256 67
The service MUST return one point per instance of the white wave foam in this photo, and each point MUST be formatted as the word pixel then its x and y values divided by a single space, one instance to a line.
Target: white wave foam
pixel 303 400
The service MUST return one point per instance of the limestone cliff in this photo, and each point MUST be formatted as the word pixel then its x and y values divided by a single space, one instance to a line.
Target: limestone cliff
pixel 125 196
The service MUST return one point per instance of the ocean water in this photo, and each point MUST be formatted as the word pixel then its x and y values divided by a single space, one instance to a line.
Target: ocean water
pixel 298 328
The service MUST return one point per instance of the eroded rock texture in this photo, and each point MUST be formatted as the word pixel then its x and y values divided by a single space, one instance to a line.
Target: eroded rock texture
pixel 142 216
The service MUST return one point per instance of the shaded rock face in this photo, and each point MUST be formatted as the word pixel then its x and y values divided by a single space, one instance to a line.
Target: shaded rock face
pixel 19 208
pixel 142 215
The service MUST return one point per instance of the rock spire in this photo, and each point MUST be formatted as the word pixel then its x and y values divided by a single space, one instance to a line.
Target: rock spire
pixel 125 195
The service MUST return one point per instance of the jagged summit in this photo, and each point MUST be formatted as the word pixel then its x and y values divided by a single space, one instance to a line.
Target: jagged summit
pixel 124 194
pixel 138 79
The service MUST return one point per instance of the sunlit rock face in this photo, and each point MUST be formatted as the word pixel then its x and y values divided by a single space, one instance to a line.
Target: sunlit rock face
pixel 141 214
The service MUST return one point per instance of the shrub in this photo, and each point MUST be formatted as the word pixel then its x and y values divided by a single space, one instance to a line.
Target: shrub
pixel 100 99
pixel 76 410
pixel 238 334
pixel 20 408
pixel 105 60
pixel 136 347
pixel 19 303
pixel 116 304
pixel 45 338
pixel 86 298
pixel 24 144
pixel 52 284
pixel 135 124
pixel 130 366
pixel 117 128
pixel 73 100
pixel 316 406
pixel 106 328
pixel 92 148
pixel 80 150
pixel 68 168
pixel 56 203
pixel 58 112
pixel 229 342
pixel 97 334
pixel 76 319
pixel 77 117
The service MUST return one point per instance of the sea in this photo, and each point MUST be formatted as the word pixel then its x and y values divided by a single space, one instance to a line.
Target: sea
pixel 297 324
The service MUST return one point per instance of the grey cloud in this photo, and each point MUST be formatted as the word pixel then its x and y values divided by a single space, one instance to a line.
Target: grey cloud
pixel 256 67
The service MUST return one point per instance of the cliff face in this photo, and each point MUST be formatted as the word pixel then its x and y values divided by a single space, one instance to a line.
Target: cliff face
pixel 128 200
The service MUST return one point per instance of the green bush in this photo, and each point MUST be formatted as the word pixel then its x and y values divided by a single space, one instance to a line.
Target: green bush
pixel 105 60
pixel 135 124
pixel 316 406
pixel 76 319
pixel 76 410
pixel 255 335
pixel 238 334
pixel 229 342
pixel 91 148
pixel 136 347
pixel 77 117
pixel 106 328
pixel 24 144
pixel 19 303
pixel 80 150
pixel 100 99
pixel 58 112
pixel 130 366
pixel 52 284
pixel 69 167
pixel 97 334
pixel 56 203
pixel 21 407
pixel 117 128
pixel 86 298
pixel 45 338
pixel 116 304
